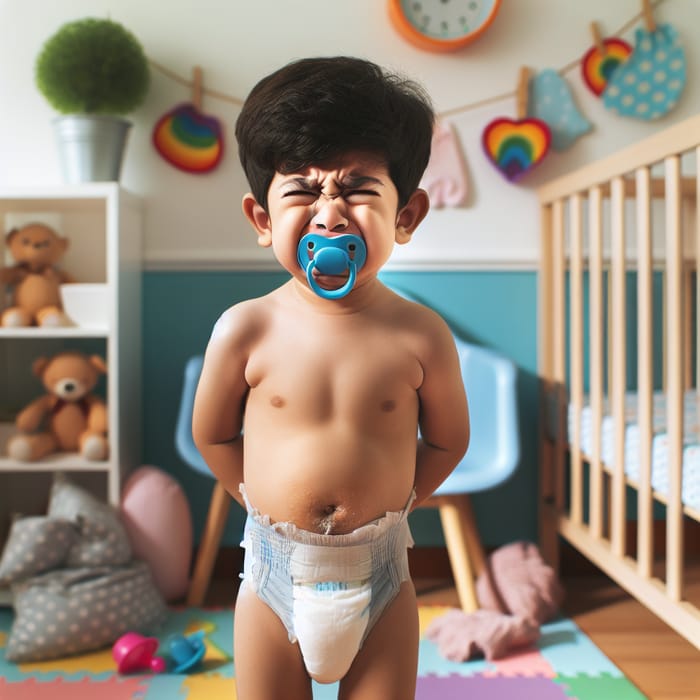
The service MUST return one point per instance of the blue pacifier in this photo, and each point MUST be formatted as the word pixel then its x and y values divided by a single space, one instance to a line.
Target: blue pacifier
pixel 331 256
pixel 186 651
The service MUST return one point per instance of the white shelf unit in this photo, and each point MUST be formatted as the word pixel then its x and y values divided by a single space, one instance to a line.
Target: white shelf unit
pixel 103 223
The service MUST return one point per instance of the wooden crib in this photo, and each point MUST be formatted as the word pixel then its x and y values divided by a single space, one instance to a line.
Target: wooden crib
pixel 619 345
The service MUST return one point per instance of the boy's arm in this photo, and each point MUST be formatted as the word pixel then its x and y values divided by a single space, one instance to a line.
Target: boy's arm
pixel 219 402
pixel 443 415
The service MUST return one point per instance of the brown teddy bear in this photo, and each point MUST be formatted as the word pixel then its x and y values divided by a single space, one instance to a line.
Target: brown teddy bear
pixel 67 418
pixel 34 280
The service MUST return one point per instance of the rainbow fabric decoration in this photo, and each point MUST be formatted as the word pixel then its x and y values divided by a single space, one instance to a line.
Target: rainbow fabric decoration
pixel 515 147
pixel 597 68
pixel 188 139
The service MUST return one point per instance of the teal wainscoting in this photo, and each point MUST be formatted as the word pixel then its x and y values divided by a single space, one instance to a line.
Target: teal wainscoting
pixel 496 309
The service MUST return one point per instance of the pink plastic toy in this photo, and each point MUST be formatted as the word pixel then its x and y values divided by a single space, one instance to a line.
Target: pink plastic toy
pixel 133 652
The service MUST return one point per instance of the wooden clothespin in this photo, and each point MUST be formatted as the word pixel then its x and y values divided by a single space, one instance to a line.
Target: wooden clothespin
pixel 598 39
pixel 522 92
pixel 648 16
pixel 197 88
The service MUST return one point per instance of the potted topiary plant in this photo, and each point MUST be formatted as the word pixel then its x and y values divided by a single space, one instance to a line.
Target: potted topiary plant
pixel 93 71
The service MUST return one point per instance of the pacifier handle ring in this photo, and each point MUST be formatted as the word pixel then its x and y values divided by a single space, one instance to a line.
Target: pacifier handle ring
pixel 331 293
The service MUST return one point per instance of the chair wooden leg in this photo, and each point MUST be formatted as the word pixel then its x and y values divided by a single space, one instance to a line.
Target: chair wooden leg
pixel 476 551
pixel 209 545
pixel 463 547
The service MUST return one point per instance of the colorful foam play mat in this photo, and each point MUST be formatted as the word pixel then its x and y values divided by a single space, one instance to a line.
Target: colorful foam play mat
pixel 564 665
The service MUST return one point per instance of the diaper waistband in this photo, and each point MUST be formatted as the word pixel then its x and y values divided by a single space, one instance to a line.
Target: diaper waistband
pixel 313 557
pixel 364 533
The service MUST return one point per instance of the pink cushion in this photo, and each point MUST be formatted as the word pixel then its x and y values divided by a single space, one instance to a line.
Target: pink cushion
pixel 157 518
pixel 517 581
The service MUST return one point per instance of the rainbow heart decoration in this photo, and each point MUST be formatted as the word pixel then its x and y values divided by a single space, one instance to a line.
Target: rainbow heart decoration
pixel 188 139
pixel 597 68
pixel 515 147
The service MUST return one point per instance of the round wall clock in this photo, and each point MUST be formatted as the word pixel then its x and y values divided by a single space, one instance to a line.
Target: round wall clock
pixel 442 25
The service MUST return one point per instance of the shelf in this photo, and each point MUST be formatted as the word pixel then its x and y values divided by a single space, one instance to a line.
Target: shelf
pixel 61 461
pixel 60 332
pixel 104 226
pixel 85 197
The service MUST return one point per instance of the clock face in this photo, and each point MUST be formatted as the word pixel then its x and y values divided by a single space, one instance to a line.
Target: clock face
pixel 442 25
pixel 445 19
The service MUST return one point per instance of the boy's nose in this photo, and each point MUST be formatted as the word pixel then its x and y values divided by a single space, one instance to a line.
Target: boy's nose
pixel 330 215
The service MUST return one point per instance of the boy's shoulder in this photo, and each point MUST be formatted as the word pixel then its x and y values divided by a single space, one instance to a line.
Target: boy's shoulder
pixel 242 321
pixel 428 330
pixel 246 310
pixel 414 312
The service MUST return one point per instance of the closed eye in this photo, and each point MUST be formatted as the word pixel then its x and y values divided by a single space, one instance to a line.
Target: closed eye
pixel 299 193
pixel 361 193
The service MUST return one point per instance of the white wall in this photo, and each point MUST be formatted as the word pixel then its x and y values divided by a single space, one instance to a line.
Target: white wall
pixel 196 221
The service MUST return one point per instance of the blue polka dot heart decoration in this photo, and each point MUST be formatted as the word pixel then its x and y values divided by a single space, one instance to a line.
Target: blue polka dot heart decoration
pixel 649 83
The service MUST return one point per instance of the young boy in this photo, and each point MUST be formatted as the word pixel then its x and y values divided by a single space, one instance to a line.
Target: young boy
pixel 332 374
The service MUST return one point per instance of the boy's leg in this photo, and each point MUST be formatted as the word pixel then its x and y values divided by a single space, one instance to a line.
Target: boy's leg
pixel 387 664
pixel 267 665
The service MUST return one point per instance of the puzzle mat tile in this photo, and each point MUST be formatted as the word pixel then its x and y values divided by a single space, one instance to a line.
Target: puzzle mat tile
pixel 563 665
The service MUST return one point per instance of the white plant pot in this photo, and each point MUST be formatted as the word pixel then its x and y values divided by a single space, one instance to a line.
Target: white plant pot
pixel 91 147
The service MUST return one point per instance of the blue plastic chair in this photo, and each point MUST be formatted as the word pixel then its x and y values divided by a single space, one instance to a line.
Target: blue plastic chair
pixel 492 457
pixel 220 502
pixel 490 380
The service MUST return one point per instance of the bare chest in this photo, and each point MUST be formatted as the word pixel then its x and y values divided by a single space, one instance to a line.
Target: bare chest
pixel 329 375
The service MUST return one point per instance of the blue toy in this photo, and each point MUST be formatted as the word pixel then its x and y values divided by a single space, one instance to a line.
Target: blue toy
pixel 331 256
pixel 186 651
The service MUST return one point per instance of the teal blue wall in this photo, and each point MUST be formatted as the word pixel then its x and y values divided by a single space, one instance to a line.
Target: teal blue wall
pixel 496 309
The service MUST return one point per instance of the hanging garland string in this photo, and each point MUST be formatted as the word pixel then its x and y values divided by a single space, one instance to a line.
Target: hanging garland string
pixel 446 113
pixel 190 84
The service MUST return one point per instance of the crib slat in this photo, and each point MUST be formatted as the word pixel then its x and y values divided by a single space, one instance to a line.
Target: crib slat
pixel 558 332
pixel 548 537
pixel 595 237
pixel 645 386
pixel 576 353
pixel 697 280
pixel 687 281
pixel 618 342
pixel 545 341
pixel 674 397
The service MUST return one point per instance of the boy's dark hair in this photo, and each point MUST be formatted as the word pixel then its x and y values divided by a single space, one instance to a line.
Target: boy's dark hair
pixel 315 109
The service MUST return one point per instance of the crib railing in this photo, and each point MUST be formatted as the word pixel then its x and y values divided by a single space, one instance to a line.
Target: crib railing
pixel 610 232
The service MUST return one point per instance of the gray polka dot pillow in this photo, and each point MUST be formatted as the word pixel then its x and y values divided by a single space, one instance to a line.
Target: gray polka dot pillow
pixel 102 538
pixel 71 611
pixel 36 544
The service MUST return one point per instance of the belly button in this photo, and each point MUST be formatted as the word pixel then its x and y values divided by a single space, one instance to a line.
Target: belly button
pixel 388 405
pixel 277 401
pixel 327 520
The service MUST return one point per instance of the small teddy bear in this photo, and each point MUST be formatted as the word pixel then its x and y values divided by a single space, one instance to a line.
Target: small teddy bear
pixel 34 280
pixel 68 417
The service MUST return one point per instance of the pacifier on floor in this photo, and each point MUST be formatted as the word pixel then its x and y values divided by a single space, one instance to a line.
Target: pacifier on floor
pixel 134 653
pixel 186 651
pixel 331 256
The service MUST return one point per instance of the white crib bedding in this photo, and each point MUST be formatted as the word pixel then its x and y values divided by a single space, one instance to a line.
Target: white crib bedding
pixel 690 494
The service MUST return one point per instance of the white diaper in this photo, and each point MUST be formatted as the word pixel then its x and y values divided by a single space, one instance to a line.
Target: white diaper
pixel 328 590
pixel 330 620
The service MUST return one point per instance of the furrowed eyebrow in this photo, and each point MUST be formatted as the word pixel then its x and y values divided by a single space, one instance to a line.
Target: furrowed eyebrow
pixel 348 182
pixel 353 181
pixel 302 182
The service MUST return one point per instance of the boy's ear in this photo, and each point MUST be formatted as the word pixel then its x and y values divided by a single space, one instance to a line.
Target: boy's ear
pixel 411 215
pixel 259 219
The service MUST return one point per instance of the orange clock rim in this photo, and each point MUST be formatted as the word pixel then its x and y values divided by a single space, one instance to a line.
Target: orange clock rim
pixel 411 34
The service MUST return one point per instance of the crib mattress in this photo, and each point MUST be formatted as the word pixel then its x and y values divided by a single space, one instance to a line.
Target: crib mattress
pixel 690 494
